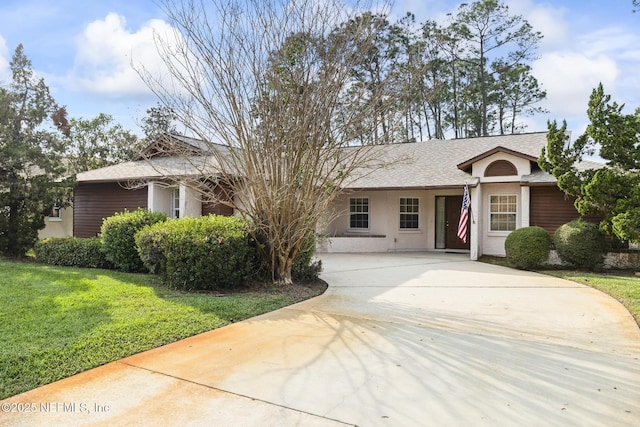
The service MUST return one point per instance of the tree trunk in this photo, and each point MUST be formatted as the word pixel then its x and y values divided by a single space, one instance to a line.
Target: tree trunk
pixel 483 90
pixel 283 273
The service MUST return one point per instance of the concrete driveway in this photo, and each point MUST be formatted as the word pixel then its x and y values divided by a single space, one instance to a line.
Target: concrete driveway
pixel 398 339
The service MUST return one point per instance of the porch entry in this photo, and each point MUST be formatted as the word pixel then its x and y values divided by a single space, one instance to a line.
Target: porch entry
pixel 447 218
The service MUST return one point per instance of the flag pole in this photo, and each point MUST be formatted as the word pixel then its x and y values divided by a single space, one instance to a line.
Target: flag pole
pixel 463 223
pixel 473 220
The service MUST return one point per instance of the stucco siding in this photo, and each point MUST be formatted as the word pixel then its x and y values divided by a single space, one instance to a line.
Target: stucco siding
pixel 58 227
pixel 384 232
pixel 493 241
pixel 160 198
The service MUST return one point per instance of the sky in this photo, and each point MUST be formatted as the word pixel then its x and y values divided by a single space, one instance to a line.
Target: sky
pixel 84 49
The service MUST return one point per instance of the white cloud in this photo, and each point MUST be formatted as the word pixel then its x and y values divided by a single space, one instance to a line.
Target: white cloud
pixel 108 52
pixel 5 58
pixel 569 77
pixel 610 39
pixel 548 20
pixel 573 61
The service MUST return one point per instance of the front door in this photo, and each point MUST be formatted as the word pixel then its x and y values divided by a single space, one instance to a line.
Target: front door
pixel 447 218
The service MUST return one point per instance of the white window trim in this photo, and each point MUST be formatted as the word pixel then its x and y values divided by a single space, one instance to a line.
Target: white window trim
pixel 501 232
pixel 173 203
pixel 419 213
pixel 359 230
pixel 56 218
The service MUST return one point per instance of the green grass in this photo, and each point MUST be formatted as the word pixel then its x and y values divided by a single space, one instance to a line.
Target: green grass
pixel 623 286
pixel 59 321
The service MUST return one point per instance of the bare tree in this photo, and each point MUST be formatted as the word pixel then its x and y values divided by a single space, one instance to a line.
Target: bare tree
pixel 258 81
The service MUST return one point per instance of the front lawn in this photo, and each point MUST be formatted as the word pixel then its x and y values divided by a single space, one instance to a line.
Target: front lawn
pixel 623 286
pixel 58 321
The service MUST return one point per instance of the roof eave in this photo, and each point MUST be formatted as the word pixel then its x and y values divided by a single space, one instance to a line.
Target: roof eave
pixel 466 165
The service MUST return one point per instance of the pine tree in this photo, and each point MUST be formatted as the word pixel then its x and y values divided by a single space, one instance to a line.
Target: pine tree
pixel 613 191
pixel 32 171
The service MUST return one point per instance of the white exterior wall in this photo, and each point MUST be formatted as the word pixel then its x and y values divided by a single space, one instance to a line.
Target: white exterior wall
pixel 190 202
pixel 58 227
pixel 159 198
pixel 492 242
pixel 525 206
pixel 384 233
pixel 476 221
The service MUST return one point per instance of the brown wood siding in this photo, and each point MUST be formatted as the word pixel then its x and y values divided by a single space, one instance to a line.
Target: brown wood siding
pixel 550 208
pixel 501 168
pixel 216 209
pixel 93 202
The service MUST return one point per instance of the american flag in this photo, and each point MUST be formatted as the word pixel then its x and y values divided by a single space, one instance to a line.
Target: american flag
pixel 464 215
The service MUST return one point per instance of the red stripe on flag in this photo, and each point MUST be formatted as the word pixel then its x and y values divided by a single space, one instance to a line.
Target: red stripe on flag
pixel 464 215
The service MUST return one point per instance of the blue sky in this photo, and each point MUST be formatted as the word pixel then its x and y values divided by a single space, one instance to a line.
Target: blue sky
pixel 84 49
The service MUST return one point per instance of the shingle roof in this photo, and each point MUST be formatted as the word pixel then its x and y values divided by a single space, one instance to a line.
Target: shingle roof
pixel 541 177
pixel 157 167
pixel 435 163
pixel 198 143
pixel 426 164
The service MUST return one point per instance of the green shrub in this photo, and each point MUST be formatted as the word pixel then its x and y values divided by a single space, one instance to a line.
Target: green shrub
pixel 150 246
pixel 304 268
pixel 207 253
pixel 72 252
pixel 580 244
pixel 528 247
pixel 118 237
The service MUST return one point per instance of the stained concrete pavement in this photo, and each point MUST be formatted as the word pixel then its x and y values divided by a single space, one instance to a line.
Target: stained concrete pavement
pixel 411 339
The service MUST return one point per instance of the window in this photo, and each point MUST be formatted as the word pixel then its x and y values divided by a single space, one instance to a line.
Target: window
pixel 502 212
pixel 409 213
pixel 359 213
pixel 54 215
pixel 176 203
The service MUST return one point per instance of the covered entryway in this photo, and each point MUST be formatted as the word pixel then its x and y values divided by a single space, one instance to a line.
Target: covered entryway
pixel 447 218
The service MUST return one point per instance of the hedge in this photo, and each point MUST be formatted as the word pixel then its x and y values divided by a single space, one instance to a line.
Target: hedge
pixel 118 237
pixel 207 253
pixel 72 252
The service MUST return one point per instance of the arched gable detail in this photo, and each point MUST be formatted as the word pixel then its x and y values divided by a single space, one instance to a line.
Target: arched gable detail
pixel 501 168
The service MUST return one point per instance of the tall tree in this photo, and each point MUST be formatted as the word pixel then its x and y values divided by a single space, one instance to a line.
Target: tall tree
pixel 259 81
pixel 372 79
pixel 436 86
pixel 613 191
pixel 454 74
pixel 405 75
pixel 517 95
pixel 32 171
pixel 159 121
pixel 99 142
pixel 490 31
